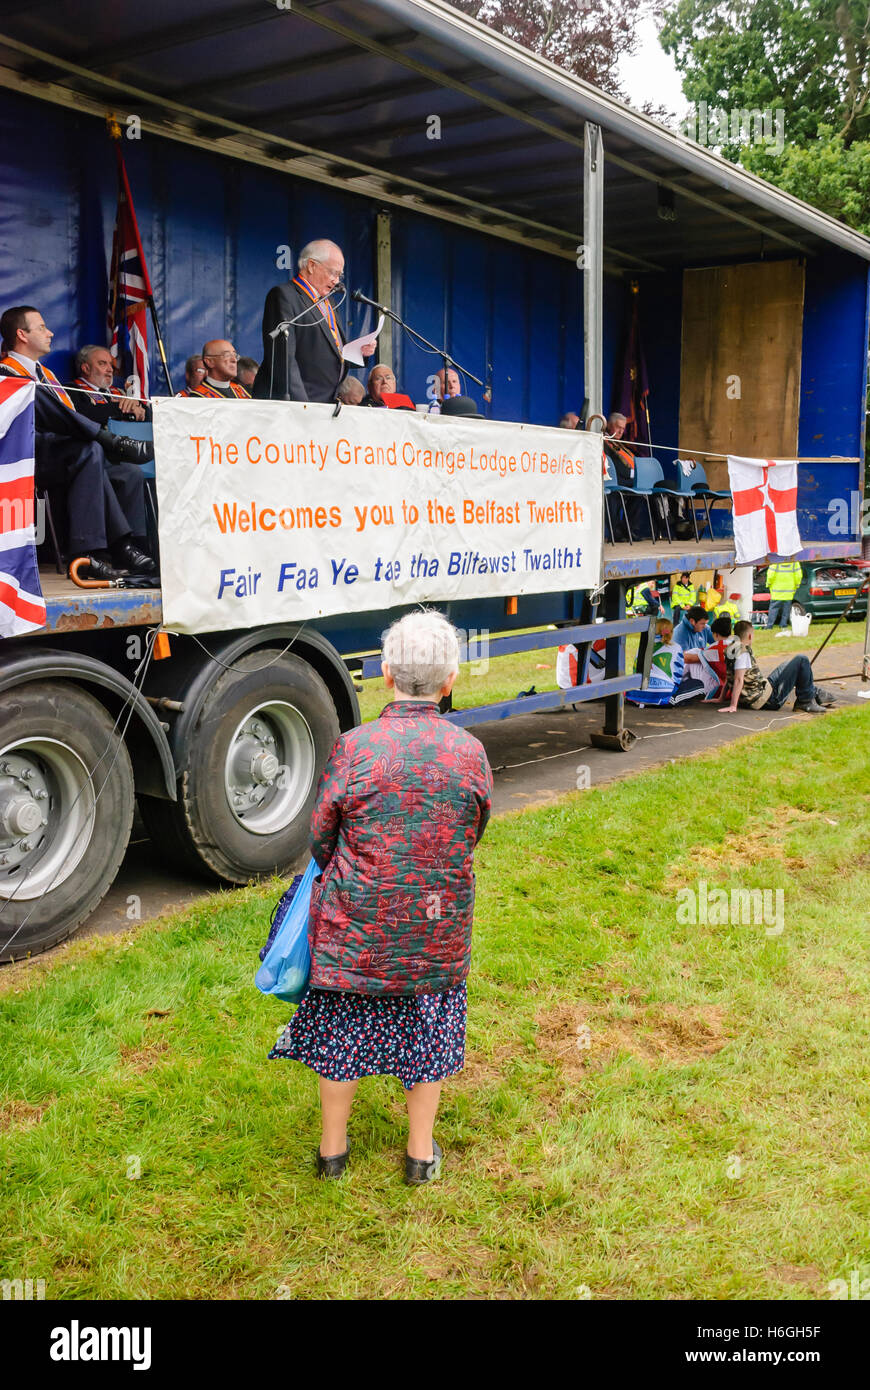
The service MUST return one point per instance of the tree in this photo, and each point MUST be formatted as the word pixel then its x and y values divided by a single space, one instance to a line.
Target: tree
pixel 585 37
pixel 810 58
pixel 809 61
pixel 827 173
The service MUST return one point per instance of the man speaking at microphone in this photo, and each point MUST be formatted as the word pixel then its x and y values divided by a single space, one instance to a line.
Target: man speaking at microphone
pixel 303 361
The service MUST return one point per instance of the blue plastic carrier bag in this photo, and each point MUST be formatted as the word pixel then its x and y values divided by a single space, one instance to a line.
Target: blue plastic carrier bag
pixel 286 956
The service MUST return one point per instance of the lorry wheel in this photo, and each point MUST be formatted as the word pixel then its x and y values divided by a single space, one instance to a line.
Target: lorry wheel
pixel 246 795
pixel 66 807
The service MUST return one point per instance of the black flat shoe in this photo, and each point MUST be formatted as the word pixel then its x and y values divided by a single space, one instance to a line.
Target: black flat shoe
pixel 423 1170
pixel 120 448
pixel 135 559
pixel 332 1167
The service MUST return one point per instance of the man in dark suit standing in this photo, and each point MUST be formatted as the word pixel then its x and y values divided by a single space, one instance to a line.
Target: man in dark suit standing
pixel 303 362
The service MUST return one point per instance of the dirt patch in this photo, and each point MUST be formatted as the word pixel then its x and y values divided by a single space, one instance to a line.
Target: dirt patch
pixel 480 1070
pixel 584 1038
pixel 142 1059
pixel 748 848
pixel 18 1114
pixel 796 1274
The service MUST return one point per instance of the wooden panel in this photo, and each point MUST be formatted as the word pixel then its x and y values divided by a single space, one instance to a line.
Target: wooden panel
pixel 741 361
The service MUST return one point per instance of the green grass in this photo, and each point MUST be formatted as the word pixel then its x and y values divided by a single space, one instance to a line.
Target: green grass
pixel 486 681
pixel 709 1141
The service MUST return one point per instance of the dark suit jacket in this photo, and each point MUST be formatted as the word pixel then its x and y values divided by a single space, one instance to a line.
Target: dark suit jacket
pixel 51 416
pixel 310 368
pixel 103 410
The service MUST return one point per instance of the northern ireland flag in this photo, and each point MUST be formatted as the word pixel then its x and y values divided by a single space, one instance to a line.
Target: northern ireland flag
pixel 765 508
pixel 22 607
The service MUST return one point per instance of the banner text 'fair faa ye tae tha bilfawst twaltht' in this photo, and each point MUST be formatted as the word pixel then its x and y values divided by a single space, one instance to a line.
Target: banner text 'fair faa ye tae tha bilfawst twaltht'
pixel 273 511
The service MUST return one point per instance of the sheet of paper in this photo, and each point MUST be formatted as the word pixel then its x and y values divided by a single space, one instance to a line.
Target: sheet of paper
pixel 351 351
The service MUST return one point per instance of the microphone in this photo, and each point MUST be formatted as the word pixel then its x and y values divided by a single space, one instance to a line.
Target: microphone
pixel 364 299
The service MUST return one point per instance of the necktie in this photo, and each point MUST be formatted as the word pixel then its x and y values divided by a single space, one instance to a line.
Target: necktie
pixel 40 374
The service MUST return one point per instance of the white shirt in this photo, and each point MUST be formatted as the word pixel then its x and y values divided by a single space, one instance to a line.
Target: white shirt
pixel 27 363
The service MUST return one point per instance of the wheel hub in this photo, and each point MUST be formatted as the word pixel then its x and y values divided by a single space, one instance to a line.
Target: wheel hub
pixel 269 767
pixel 46 816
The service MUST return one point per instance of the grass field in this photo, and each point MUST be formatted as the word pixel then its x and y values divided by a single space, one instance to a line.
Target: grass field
pixel 502 677
pixel 650 1109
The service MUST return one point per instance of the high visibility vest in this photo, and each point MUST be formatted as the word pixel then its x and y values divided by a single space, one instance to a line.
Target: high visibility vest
pixel 711 598
pixel 730 609
pixel 783 580
pixel 638 597
pixel 684 596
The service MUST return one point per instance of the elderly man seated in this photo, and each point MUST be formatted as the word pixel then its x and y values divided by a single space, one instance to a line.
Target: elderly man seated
pixel 221 369
pixel 619 456
pixel 382 379
pixel 453 388
pixel 96 395
pixel 194 373
pixel 247 372
pixel 351 391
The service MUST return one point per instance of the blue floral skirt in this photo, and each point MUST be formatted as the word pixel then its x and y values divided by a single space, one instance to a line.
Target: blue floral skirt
pixel 342 1036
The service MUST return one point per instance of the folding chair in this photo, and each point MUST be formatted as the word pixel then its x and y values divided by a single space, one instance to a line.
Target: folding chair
pixel 40 495
pixel 692 483
pixel 650 481
pixel 611 487
pixel 142 429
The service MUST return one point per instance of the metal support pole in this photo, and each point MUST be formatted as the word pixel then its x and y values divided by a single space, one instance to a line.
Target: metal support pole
pixel 591 261
pixel 614 734
pixel 385 285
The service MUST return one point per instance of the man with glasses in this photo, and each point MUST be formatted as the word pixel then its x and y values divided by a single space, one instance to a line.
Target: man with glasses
pixel 303 337
pixel 221 368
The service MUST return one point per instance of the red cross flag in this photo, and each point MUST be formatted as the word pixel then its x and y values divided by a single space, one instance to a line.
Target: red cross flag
pixel 765 508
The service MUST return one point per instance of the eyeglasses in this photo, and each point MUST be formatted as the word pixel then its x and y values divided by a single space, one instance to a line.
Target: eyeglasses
pixel 337 276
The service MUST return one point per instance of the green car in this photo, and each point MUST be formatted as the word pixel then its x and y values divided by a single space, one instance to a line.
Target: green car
pixel 826 590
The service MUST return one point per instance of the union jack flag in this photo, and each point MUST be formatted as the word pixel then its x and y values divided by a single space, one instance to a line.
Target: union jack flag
pixel 22 607
pixel 129 289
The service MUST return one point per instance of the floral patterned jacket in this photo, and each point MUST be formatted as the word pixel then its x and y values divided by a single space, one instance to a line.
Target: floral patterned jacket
pixel 401 805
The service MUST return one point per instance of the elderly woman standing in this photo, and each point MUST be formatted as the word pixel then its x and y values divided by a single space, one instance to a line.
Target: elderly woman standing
pixel 401 804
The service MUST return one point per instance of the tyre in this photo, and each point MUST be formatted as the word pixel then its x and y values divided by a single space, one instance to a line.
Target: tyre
pixel 254 757
pixel 66 808
pixel 799 609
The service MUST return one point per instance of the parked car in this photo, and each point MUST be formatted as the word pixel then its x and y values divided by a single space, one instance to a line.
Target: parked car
pixel 825 590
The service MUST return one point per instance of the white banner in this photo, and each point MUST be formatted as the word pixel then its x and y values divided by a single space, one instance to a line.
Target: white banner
pixel 272 511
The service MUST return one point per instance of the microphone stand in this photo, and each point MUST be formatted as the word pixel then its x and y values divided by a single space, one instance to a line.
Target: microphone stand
pixel 441 352
pixel 284 329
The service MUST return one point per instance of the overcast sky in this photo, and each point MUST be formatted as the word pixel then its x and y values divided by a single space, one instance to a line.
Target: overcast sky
pixel 650 75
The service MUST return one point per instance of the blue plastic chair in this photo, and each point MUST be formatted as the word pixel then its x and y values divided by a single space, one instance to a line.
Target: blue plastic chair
pixel 612 488
pixel 681 493
pixel 649 480
pixel 695 484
